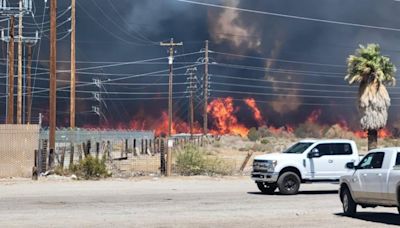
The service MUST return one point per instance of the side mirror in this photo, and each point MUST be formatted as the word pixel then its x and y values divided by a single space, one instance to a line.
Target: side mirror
pixel 314 153
pixel 350 165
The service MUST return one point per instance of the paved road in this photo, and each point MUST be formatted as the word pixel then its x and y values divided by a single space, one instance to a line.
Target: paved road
pixel 176 202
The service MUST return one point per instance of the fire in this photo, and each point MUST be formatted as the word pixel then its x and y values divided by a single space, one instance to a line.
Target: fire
pixel 360 134
pixel 384 133
pixel 289 128
pixel 314 116
pixel 222 111
pixel 256 111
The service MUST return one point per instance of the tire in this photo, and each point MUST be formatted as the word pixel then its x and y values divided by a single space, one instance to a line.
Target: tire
pixel 266 188
pixel 349 206
pixel 289 183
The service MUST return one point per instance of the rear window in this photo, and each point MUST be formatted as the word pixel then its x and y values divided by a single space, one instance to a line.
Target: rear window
pixel 398 160
pixel 334 149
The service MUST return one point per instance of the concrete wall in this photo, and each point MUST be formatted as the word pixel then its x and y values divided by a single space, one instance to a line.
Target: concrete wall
pixel 17 149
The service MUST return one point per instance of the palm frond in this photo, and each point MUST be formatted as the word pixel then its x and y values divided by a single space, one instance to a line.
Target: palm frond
pixel 368 62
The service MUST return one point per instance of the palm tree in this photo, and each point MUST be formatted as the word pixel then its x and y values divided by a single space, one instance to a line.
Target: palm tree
pixel 372 71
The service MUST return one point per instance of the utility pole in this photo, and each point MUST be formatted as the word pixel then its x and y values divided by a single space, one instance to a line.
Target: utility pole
pixel 10 10
pixel 171 46
pixel 205 90
pixel 10 113
pixel 29 84
pixel 73 66
pixel 53 78
pixel 19 94
pixel 192 87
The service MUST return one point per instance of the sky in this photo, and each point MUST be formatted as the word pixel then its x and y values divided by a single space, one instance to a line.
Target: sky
pixel 290 66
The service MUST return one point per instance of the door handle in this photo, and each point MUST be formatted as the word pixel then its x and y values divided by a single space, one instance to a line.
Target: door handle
pixel 364 174
pixel 330 161
pixel 379 174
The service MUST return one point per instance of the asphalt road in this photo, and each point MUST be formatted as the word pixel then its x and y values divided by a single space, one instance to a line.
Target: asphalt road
pixel 175 202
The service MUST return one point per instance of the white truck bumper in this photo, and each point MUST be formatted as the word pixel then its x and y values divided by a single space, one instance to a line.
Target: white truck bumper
pixel 264 177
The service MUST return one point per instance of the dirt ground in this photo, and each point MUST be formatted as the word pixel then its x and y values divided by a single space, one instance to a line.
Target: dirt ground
pixel 175 202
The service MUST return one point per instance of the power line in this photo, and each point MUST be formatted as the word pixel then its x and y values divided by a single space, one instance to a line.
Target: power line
pixel 280 60
pixel 292 16
pixel 283 71
pixel 108 31
pixel 118 26
pixel 288 95
pixel 278 81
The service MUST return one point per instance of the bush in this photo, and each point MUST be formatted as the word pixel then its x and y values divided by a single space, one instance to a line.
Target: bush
pixel 264 132
pixel 253 134
pixel 306 130
pixel 192 161
pixel 90 168
pixel 264 141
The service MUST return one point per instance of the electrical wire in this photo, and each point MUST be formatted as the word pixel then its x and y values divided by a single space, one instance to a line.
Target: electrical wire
pixel 280 60
pixel 292 16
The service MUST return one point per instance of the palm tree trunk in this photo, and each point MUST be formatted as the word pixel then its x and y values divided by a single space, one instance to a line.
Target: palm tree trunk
pixel 372 139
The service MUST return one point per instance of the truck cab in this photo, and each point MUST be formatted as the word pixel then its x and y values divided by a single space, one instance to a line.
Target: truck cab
pixel 375 181
pixel 306 161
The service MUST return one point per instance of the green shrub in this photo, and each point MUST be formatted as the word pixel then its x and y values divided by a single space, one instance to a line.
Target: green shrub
pixel 253 134
pixel 264 132
pixel 192 161
pixel 306 130
pixel 90 168
pixel 264 141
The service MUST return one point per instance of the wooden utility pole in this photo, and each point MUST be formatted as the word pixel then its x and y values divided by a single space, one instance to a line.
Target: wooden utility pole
pixel 53 78
pixel 73 66
pixel 171 46
pixel 19 95
pixel 10 113
pixel 29 84
pixel 205 90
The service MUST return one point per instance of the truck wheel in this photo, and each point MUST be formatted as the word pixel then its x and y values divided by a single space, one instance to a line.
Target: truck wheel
pixel 266 188
pixel 349 206
pixel 289 183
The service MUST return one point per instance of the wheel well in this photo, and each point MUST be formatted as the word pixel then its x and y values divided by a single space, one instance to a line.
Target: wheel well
pixel 290 169
pixel 398 196
pixel 343 186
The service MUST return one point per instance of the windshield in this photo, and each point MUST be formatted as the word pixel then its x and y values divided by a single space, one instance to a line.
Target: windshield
pixel 297 148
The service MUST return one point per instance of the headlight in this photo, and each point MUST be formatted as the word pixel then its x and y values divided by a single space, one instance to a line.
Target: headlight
pixel 264 165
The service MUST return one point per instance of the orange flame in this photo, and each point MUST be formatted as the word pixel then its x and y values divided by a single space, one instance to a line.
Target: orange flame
pixel 222 110
pixel 256 111
pixel 314 116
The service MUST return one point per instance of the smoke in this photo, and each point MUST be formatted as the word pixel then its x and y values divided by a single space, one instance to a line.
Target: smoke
pixel 228 26
pixel 233 32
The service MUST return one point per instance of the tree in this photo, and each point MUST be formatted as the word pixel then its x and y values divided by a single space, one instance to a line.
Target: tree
pixel 372 71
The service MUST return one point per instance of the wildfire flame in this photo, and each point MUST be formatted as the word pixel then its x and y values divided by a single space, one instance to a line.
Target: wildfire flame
pixel 256 111
pixel 314 116
pixel 222 111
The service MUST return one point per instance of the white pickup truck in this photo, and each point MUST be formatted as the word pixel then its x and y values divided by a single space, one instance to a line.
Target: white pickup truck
pixel 305 161
pixel 375 181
